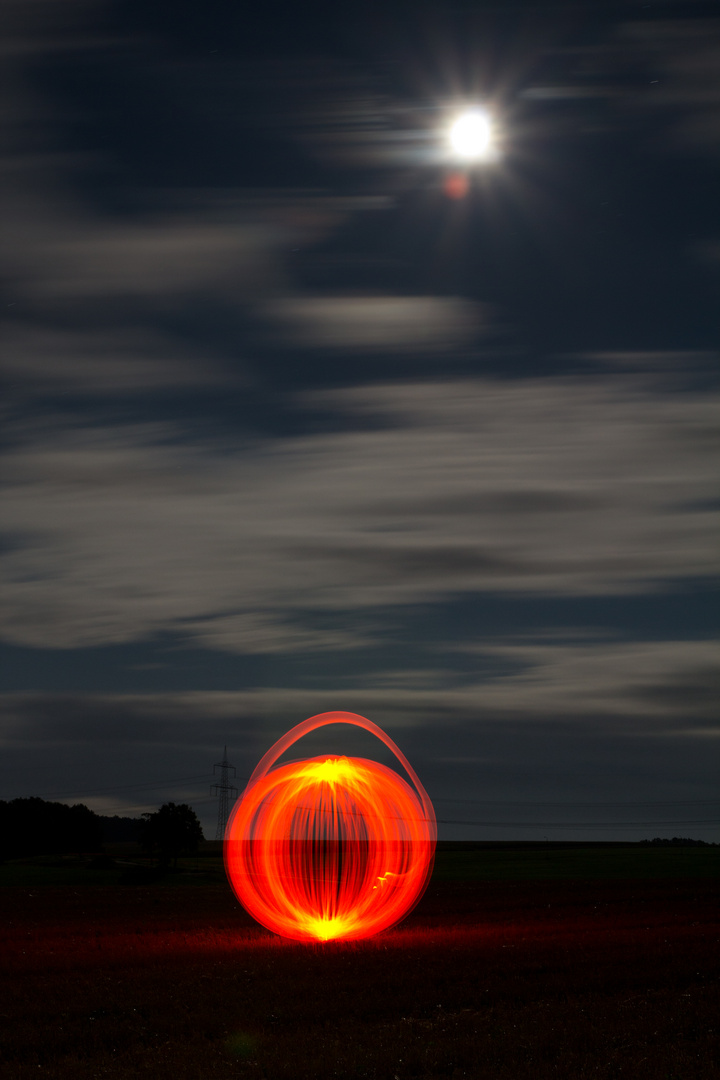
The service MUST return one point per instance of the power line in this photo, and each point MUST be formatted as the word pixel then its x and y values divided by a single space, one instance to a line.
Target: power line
pixel 494 824
pixel 583 805
pixel 578 824
pixel 335 812
pixel 225 792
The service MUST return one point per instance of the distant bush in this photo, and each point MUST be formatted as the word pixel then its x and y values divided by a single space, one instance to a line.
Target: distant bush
pixel 171 831
pixel 677 841
pixel 36 827
pixel 118 830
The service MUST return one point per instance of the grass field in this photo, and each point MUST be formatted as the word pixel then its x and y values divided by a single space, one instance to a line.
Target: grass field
pixel 598 978
pixel 453 862
pixel 523 862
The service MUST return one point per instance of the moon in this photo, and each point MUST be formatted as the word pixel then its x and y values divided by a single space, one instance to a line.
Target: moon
pixel 471 135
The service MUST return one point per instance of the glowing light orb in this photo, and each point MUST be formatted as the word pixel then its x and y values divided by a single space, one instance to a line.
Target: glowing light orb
pixel 330 847
pixel 471 135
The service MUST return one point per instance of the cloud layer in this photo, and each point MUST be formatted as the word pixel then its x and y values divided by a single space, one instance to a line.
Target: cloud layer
pixel 564 486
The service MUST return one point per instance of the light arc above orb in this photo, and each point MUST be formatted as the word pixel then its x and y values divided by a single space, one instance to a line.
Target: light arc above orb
pixel 330 847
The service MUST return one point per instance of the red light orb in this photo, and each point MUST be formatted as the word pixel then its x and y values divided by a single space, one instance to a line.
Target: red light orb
pixel 330 847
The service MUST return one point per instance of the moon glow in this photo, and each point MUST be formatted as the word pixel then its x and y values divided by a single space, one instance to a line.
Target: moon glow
pixel 470 135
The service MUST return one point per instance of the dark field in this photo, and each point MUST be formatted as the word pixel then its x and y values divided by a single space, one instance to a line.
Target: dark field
pixel 454 862
pixel 544 977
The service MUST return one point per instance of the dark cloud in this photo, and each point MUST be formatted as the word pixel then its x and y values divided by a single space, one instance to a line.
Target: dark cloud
pixel 47 362
pixel 509 502
pixel 368 323
pixel 489 774
pixel 130 530
pixel 438 564
pixel 682 56
pixel 656 75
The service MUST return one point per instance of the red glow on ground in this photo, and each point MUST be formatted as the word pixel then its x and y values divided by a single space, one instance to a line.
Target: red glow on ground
pixel 330 847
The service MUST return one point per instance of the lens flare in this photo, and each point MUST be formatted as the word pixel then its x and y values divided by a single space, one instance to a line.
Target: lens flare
pixel 330 847
pixel 456 185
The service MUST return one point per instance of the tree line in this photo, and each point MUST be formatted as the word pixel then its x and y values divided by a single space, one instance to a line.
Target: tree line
pixel 34 826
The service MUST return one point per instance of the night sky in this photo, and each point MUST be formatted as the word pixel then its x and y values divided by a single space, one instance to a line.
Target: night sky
pixel 289 428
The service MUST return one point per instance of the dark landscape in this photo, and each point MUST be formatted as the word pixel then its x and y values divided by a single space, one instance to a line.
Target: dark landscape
pixel 493 975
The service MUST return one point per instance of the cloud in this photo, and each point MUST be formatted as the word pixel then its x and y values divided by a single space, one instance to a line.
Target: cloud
pixel 53 252
pixel 706 251
pixel 174 258
pixel 620 689
pixel 465 750
pixel 60 249
pixel 672 360
pixel 568 92
pixel 638 678
pixel 263 633
pixel 41 362
pixel 664 69
pixel 566 486
pixel 684 55
pixel 409 324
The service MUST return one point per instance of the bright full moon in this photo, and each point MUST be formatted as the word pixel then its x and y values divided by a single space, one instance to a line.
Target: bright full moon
pixel 471 136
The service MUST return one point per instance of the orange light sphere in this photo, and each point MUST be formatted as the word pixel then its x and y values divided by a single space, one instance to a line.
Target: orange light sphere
pixel 330 847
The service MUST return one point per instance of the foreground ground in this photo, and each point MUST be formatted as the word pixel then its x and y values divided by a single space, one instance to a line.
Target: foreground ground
pixel 486 979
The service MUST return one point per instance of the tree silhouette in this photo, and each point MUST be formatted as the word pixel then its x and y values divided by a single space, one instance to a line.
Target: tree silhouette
pixel 171 831
pixel 36 827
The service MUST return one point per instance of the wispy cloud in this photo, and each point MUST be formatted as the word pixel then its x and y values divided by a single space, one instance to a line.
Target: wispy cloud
pixel 408 324
pixel 683 58
pixel 44 363
pixel 629 678
pixel 666 70
pixel 569 486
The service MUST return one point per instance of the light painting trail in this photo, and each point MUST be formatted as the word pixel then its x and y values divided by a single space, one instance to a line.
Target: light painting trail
pixel 330 847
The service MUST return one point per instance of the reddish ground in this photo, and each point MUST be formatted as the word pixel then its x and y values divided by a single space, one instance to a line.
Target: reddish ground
pixel 491 980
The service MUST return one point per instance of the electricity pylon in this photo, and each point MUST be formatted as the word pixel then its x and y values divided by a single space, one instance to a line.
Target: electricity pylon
pixel 225 791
